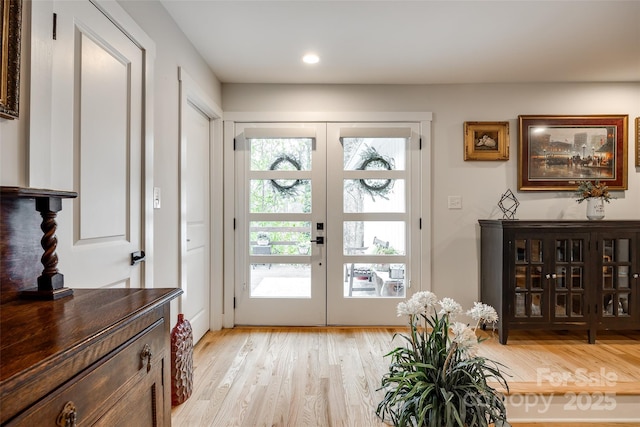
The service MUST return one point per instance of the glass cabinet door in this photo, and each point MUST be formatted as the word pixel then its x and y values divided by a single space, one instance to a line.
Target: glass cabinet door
pixel 529 287
pixel 616 293
pixel 568 278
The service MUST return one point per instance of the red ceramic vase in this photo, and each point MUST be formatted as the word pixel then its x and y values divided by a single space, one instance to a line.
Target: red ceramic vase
pixel 181 361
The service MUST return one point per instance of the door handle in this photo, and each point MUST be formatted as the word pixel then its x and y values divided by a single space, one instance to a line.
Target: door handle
pixel 319 240
pixel 137 257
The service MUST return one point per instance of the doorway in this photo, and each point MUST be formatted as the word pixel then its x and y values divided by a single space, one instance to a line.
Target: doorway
pixel 327 225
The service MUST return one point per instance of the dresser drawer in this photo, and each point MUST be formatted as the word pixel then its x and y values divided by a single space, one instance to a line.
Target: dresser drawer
pixel 96 390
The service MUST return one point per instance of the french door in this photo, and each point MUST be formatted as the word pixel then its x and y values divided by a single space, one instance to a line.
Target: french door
pixel 327 222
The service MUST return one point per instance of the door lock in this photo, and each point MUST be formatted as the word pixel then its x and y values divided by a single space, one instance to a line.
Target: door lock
pixel 319 240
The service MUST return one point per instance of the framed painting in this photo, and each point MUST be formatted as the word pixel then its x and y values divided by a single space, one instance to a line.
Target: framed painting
pixel 556 152
pixel 637 141
pixel 486 140
pixel 10 25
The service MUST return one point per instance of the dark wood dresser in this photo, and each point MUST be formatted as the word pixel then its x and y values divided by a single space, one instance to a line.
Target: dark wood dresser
pixel 94 356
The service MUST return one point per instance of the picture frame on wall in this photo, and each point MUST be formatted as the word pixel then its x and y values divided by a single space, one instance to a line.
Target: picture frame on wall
pixel 638 141
pixel 486 140
pixel 556 152
pixel 10 26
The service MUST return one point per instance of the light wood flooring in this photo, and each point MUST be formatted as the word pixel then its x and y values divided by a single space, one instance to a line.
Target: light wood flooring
pixel 330 376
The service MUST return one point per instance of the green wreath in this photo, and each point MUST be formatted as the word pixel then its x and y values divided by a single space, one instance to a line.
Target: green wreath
pixel 372 160
pixel 281 187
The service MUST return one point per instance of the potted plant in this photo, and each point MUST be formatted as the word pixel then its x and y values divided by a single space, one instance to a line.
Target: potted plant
pixel 595 195
pixel 437 379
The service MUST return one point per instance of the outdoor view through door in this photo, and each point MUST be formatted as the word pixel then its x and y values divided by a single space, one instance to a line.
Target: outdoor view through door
pixel 327 223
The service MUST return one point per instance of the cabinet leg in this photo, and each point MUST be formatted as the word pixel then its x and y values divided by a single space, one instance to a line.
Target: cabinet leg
pixel 503 335
pixel 592 336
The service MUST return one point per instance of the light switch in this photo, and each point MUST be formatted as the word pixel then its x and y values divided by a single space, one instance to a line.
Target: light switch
pixel 455 202
pixel 156 197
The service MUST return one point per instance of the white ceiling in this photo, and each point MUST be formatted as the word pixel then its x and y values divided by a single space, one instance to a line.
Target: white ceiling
pixel 414 42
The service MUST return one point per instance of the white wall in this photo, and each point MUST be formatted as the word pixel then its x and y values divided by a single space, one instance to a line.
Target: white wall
pixel 455 232
pixel 172 50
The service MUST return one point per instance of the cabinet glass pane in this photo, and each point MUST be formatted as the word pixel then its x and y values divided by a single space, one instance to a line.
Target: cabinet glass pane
pixel 536 305
pixel 622 250
pixel 561 277
pixel 607 277
pixel 561 305
pixel 521 277
pixel 576 278
pixel 576 305
pixel 623 277
pixel 521 251
pixel 561 250
pixel 607 305
pixel 607 250
pixel 520 305
pixel 536 250
pixel 577 252
pixel 623 304
pixel 536 278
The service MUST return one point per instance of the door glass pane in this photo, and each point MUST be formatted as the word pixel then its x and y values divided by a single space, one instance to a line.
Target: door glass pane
pixel 521 251
pixel 280 196
pixel 624 304
pixel 607 250
pixel 536 305
pixel 356 198
pixel 280 280
pixel 607 304
pixel 374 238
pixel 622 252
pixel 373 280
pixel 280 237
pixel 536 278
pixel 623 277
pixel 374 153
pixel 280 154
pixel 521 277
pixel 561 250
pixel 520 305
pixel 607 277
pixel 576 251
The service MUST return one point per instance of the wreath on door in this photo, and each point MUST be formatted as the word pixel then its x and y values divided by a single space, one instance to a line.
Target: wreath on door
pixel 285 187
pixel 370 159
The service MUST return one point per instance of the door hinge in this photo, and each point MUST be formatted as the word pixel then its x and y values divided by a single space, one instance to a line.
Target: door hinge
pixel 55 26
pixel 420 143
pixel 234 302
pixel 234 144
pixel 420 224
pixel 234 223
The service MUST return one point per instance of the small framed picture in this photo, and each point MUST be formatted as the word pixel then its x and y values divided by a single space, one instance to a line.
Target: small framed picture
pixel 486 140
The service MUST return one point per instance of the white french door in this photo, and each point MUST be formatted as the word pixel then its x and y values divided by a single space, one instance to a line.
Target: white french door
pixel 327 222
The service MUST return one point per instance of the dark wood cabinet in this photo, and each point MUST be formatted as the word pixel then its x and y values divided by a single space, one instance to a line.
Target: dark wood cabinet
pixel 74 356
pixel 561 274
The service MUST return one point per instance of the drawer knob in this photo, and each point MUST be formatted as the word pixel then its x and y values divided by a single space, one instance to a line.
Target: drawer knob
pixel 146 354
pixel 67 417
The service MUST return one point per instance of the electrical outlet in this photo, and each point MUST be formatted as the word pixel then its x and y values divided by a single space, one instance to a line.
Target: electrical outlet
pixel 454 202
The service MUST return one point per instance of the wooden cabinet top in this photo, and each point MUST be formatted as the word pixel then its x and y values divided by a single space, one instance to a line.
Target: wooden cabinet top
pixel 626 225
pixel 44 342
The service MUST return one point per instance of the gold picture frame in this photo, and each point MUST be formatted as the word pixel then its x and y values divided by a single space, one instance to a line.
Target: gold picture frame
pixel 10 26
pixel 556 152
pixel 638 141
pixel 486 141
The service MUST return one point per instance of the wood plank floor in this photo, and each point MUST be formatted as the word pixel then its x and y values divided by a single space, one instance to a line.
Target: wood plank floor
pixel 330 376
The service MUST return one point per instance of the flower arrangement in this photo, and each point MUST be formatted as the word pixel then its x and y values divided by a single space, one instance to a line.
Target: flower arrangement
pixel 437 379
pixel 587 190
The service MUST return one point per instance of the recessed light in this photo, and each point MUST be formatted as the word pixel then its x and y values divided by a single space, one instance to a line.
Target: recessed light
pixel 311 58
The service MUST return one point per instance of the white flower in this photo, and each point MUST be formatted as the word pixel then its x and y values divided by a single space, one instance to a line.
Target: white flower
pixel 465 337
pixel 450 307
pixel 410 308
pixel 484 312
pixel 425 298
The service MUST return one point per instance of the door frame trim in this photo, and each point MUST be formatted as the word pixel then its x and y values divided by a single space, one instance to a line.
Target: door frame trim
pixel 190 91
pixel 231 251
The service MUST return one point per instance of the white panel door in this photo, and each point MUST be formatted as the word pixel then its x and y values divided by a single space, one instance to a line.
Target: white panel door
pixel 195 186
pixel 96 146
